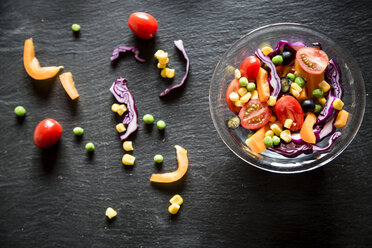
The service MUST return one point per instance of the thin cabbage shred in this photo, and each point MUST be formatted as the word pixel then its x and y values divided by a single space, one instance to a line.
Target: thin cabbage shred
pixel 289 46
pixel 123 49
pixel 273 78
pixel 179 45
pixel 122 94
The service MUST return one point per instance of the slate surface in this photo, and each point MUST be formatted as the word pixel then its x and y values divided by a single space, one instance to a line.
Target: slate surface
pixel 57 198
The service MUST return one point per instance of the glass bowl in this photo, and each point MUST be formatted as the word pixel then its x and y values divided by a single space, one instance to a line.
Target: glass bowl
pixel 351 79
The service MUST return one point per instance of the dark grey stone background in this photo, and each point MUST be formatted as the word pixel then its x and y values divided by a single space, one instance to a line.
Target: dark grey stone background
pixel 57 198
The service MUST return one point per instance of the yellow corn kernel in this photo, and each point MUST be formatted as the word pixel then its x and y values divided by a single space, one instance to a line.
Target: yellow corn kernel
pixel 163 58
pixel 161 66
pixel 266 50
pixel 169 73
pixel 234 96
pixel 120 128
pixel 254 95
pixel 128 146
pixel 121 109
pixel 176 199
pixel 324 86
pixel 114 107
pixel 272 118
pixel 276 129
pixel 242 91
pixel 288 123
pixel 271 101
pixel 286 136
pixel 239 103
pixel 111 213
pixel 237 74
pixel 128 159
pixel 158 52
pixel 163 73
pixel 322 101
pixel 244 99
pixel 296 87
pixel 269 133
pixel 173 209
pixel 295 93
pixel 338 104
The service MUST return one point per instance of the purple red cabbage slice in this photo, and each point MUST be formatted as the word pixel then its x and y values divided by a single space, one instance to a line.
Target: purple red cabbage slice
pixel 180 46
pixel 285 45
pixel 122 94
pixel 123 49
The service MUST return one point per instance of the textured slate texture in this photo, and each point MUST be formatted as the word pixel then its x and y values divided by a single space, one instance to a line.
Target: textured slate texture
pixel 57 198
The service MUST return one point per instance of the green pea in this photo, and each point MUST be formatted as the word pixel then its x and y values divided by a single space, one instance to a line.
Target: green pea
pixel 148 119
pixel 317 93
pixel 78 131
pixel 317 108
pixel 20 111
pixel 89 147
pixel 276 140
pixel 75 27
pixel 158 158
pixel 250 135
pixel 268 141
pixel 278 59
pixel 251 86
pixel 291 76
pixel 300 81
pixel 243 81
pixel 161 125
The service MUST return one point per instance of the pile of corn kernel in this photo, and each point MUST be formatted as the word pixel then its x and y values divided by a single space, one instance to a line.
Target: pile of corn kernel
pixel 127 159
pixel 176 202
pixel 162 64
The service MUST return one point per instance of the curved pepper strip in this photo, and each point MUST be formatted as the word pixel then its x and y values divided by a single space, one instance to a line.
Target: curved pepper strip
pixel 273 78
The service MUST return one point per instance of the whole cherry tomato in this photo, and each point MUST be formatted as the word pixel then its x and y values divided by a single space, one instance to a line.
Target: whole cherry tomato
pixel 249 67
pixel 143 25
pixel 234 86
pixel 47 133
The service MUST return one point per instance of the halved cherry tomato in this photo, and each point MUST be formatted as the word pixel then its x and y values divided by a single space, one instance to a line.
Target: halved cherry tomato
pixel 143 25
pixel 312 60
pixel 47 133
pixel 249 67
pixel 287 107
pixel 254 114
pixel 234 86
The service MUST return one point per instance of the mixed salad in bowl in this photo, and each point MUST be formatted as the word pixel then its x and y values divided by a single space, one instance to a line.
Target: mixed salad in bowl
pixel 289 98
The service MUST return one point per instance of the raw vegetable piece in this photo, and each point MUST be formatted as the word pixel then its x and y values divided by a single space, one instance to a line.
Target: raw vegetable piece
pixel 330 142
pixel 143 25
pixel 302 96
pixel 128 159
pixel 283 44
pixel 110 213
pixel 176 175
pixel 341 119
pixel 256 141
pixel 263 87
pixel 283 70
pixel 122 94
pixel 158 158
pixel 176 199
pixel 123 49
pixel 328 109
pixel 173 208
pixel 69 85
pixel 179 45
pixel 19 111
pixel 292 150
pixel 307 131
pixel 32 65
pixel 321 131
pixel 287 107
pixel 75 27
pixel 249 67
pixel 78 131
pixel 333 75
pixel 233 122
pixel 89 147
pixel 47 133
pixel 273 78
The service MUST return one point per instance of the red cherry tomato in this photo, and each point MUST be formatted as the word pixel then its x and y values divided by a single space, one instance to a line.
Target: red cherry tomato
pixel 249 67
pixel 312 60
pixel 287 107
pixel 234 86
pixel 47 133
pixel 143 25
pixel 254 114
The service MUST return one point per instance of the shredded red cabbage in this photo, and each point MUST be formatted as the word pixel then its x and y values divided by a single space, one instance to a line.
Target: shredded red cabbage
pixel 293 47
pixel 330 142
pixel 123 49
pixel 122 94
pixel 179 45
pixel 291 149
pixel 326 130
pixel 333 76
pixel 274 79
